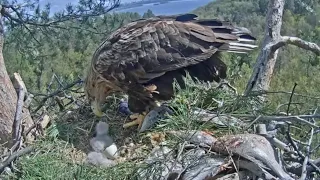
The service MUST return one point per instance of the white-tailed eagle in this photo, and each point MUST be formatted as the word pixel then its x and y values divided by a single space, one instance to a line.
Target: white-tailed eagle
pixel 142 59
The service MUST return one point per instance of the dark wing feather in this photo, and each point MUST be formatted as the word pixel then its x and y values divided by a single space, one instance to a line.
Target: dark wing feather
pixel 146 49
pixel 210 70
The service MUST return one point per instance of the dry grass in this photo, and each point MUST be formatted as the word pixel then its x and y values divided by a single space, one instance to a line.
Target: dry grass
pixel 61 153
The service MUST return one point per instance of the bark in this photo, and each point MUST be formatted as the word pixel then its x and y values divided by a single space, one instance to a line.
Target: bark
pixel 8 100
pixel 263 70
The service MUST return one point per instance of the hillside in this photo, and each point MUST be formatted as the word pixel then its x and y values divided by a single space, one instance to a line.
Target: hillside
pixel 60 57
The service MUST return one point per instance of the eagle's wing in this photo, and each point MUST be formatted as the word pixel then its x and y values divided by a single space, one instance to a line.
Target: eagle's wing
pixel 148 48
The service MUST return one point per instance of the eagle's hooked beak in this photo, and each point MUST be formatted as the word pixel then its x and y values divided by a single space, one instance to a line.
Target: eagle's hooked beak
pixel 96 108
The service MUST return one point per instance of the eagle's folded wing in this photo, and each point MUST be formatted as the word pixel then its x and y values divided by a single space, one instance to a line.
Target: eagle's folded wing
pixel 148 48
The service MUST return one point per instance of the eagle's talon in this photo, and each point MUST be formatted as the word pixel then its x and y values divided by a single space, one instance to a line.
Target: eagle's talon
pixel 157 92
pixel 152 89
pixel 137 120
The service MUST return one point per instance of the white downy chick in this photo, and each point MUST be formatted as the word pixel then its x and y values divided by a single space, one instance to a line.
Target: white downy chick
pixel 98 159
pixel 103 143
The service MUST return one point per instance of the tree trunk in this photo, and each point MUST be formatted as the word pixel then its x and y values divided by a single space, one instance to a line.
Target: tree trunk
pixel 8 99
pixel 263 70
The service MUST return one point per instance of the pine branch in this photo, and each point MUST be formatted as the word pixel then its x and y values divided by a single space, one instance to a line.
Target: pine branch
pixel 100 9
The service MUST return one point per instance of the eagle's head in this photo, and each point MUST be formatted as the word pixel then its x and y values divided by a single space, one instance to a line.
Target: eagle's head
pixel 96 90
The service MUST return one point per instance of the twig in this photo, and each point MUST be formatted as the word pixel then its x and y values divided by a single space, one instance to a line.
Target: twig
pixel 50 83
pixel 225 82
pixel 262 130
pixel 299 152
pixel 14 156
pixel 295 147
pixel 316 132
pixel 182 146
pixel 253 122
pixel 37 125
pixel 306 159
pixel 261 92
pixel 290 99
pixel 315 148
pixel 44 100
pixel 13 148
pixel 30 129
pixel 298 141
pixel 295 118
pixel 286 104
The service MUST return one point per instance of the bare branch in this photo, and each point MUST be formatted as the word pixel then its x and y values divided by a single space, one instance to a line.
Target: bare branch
pixel 306 159
pixel 297 118
pixel 313 47
pixel 257 93
pixel 17 119
pixel 290 99
pixel 295 147
pixel 14 156
pixel 44 100
pixel 263 70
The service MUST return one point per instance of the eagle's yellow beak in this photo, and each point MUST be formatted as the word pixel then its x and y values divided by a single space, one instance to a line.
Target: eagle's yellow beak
pixel 96 108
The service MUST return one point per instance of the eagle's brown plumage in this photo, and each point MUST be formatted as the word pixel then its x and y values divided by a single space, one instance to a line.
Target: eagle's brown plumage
pixel 157 51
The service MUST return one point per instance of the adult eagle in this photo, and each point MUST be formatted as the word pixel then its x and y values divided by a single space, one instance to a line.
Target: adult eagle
pixel 142 59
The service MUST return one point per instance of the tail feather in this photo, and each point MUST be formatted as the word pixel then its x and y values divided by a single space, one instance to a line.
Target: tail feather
pixel 236 39
pixel 249 46
pixel 230 38
pixel 244 42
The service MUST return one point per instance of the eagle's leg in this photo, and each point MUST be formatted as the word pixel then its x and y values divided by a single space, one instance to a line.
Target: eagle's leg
pixel 138 118
pixel 152 89
pixel 148 120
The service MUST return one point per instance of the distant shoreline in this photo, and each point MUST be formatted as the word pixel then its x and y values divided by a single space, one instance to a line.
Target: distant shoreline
pixel 141 3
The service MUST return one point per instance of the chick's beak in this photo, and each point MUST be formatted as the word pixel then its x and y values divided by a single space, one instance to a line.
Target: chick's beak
pixel 96 108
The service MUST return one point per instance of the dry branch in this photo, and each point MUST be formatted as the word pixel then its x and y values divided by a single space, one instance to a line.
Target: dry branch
pixel 263 70
pixel 257 93
pixel 262 130
pixel 13 156
pixel 297 118
pixel 313 47
pixel 44 100
pixel 20 86
pixel 306 159
pixel 301 155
